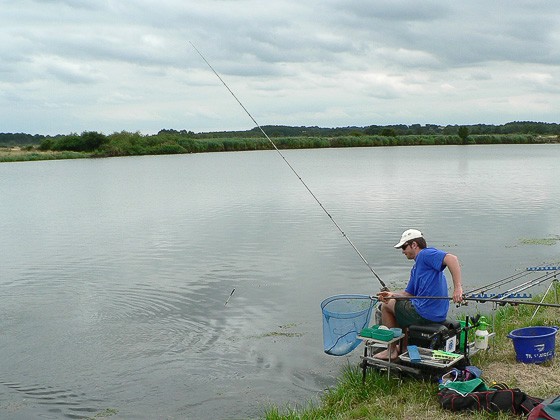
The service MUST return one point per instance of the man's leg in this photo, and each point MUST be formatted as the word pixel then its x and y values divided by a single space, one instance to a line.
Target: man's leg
pixel 388 319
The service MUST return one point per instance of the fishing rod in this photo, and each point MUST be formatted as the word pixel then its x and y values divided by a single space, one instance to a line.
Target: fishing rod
pixel 530 283
pixel 517 276
pixel 480 300
pixel 383 286
pixel 498 283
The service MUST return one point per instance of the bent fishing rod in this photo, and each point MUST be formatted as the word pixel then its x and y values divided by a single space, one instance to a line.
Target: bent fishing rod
pixel 383 286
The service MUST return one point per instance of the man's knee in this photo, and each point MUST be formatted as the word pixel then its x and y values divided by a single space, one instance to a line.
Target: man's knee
pixel 387 309
pixel 389 306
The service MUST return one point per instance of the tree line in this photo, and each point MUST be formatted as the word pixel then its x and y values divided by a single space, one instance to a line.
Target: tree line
pixel 516 127
pixel 170 141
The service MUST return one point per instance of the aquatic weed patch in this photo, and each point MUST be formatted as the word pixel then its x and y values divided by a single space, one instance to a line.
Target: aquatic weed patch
pixel 108 412
pixel 549 241
pixel 283 332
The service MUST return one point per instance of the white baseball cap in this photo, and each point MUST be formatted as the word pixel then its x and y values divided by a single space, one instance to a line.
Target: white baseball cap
pixel 409 235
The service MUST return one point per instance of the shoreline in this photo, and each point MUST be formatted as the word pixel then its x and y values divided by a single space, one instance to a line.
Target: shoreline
pixel 134 144
pixel 413 399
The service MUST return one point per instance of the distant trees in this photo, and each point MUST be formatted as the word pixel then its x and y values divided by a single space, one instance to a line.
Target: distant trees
pixel 529 127
pixel 168 141
pixel 389 132
pixel 19 139
pixel 463 133
pixel 88 141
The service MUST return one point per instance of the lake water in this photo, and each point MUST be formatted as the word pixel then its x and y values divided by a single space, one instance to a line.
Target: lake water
pixel 115 272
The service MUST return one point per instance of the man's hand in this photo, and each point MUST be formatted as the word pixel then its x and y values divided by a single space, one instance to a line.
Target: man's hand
pixel 385 296
pixel 458 294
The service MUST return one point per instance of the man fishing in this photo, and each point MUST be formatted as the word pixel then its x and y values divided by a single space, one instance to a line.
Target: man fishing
pixel 426 279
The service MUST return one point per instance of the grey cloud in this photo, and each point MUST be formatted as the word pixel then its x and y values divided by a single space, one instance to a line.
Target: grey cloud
pixel 372 12
pixel 326 61
pixel 77 4
pixel 70 72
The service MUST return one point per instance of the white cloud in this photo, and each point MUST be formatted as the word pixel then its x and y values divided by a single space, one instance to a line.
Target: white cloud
pixel 71 65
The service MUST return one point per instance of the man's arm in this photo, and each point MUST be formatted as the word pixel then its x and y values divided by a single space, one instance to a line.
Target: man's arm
pixel 452 263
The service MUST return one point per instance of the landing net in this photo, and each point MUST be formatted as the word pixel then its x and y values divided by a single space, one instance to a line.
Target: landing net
pixel 344 316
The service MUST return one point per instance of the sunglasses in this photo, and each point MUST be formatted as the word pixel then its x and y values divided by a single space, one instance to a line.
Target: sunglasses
pixel 406 245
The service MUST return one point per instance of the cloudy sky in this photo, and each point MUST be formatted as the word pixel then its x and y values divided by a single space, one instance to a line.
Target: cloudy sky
pixel 108 65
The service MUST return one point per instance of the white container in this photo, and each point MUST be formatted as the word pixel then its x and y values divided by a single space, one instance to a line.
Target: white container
pixel 481 336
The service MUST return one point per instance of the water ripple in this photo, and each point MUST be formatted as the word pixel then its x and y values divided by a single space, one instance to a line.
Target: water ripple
pixel 115 272
pixel 62 402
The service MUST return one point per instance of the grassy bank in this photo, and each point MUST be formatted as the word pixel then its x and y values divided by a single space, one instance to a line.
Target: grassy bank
pixel 409 398
pixel 92 144
pixel 8 154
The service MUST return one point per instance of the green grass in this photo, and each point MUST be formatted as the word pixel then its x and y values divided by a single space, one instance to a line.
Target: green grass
pixel 93 144
pixel 9 155
pixel 383 397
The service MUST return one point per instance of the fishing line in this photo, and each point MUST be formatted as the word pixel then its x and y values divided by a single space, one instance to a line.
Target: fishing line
pixel 383 286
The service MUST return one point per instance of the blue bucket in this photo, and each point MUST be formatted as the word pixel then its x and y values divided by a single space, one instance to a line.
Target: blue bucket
pixel 534 344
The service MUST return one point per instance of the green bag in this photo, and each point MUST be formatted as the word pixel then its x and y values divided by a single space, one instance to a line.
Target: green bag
pixel 465 387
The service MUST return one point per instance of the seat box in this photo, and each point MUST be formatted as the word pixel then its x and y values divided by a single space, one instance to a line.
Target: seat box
pixel 433 336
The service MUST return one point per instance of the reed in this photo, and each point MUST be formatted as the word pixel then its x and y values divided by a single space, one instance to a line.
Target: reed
pixel 27 155
pixel 135 144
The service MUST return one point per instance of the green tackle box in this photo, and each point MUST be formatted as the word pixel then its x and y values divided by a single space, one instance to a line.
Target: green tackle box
pixel 377 333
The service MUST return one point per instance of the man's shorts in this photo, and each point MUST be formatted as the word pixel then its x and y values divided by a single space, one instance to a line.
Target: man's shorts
pixel 406 314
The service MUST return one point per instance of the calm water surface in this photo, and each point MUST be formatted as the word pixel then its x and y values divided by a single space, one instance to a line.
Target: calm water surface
pixel 115 272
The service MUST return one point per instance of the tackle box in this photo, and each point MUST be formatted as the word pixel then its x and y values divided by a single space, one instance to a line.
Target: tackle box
pixel 429 357
pixel 377 333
